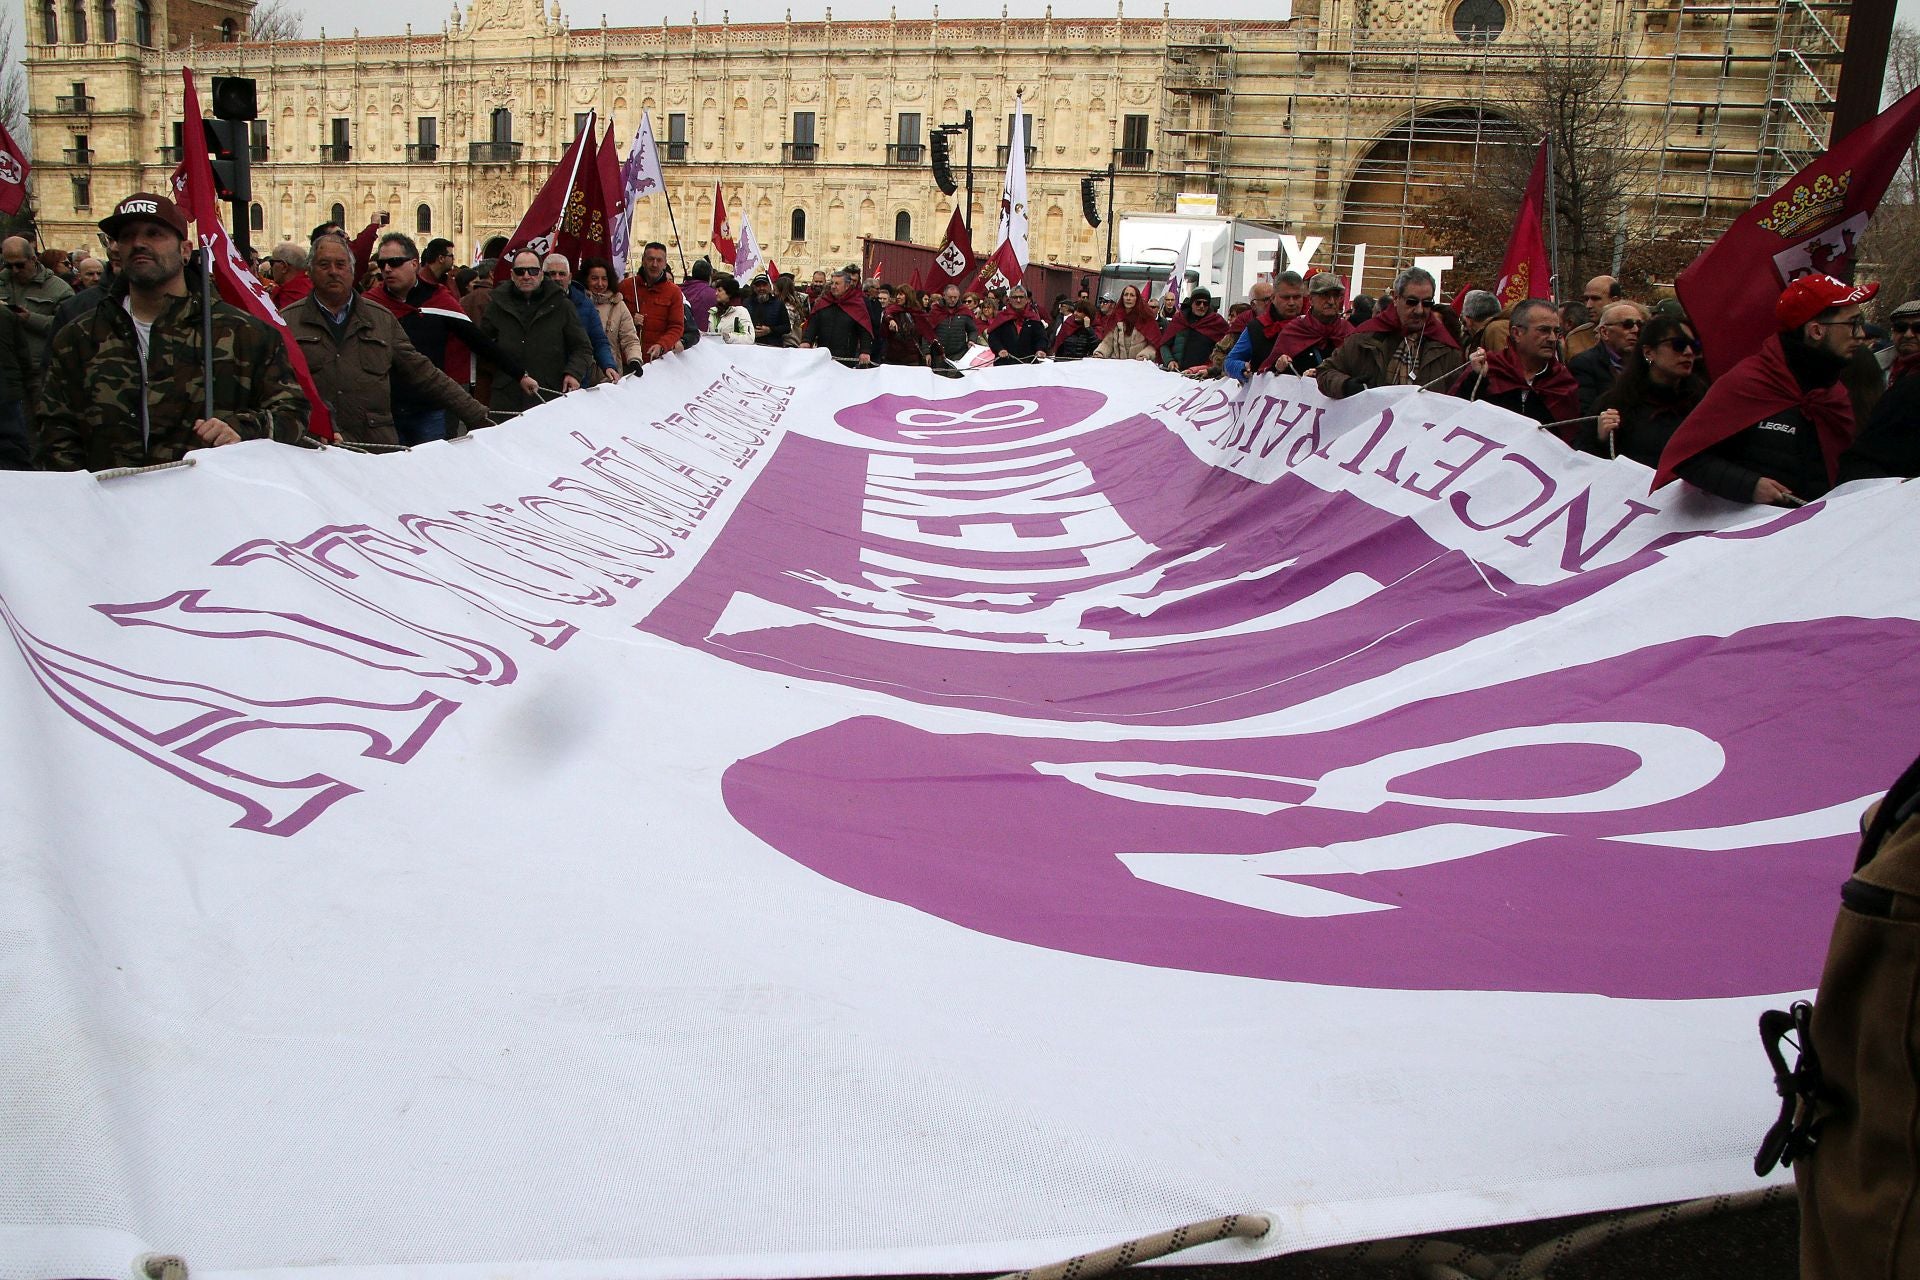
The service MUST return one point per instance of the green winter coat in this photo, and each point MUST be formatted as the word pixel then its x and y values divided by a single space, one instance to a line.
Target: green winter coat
pixel 543 332
pixel 89 413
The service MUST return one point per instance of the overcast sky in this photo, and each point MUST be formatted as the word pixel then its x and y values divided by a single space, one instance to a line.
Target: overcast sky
pixel 390 17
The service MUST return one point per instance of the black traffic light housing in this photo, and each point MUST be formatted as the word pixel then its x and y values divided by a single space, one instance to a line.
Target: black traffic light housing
pixel 229 136
pixel 228 146
pixel 943 163
pixel 1090 199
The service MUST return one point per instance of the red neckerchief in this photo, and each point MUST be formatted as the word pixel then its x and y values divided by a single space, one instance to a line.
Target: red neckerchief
pixel 922 323
pixel 1303 332
pixel 1761 384
pixel 1388 321
pixel 1103 324
pixel 1213 328
pixel 1068 327
pixel 1901 367
pixel 1008 315
pixel 1556 386
pixel 940 313
pixel 1142 320
pixel 853 302
pixel 1271 324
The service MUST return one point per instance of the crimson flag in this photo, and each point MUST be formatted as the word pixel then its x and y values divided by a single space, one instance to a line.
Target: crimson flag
pixel 722 237
pixel 953 263
pixel 1813 223
pixel 544 227
pixel 13 174
pixel 613 191
pixel 1525 272
pixel 238 285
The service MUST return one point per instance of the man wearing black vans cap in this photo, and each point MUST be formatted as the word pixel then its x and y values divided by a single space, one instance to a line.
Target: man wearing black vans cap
pixel 126 383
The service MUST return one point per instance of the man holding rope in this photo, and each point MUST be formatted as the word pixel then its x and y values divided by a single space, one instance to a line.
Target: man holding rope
pixel 535 323
pixel 1526 376
pixel 1405 344
pixel 126 385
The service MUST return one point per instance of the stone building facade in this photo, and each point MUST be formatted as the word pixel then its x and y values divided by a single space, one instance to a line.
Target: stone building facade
pixel 1337 122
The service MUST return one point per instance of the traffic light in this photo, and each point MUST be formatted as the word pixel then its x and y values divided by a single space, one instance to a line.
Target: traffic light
pixel 943 163
pixel 1090 199
pixel 229 138
pixel 227 144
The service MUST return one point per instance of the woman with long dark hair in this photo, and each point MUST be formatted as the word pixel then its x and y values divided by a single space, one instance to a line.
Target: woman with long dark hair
pixel 1659 384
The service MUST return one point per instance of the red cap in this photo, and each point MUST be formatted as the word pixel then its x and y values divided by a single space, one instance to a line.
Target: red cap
pixel 1809 295
pixel 144 206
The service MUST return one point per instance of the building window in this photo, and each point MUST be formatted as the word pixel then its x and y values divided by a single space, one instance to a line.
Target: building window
pixel 797 225
pixel 338 216
pixel 82 191
pixel 109 22
pixel 423 219
pixel 257 140
pixel 1133 142
pixel 676 135
pixel 49 22
pixel 501 125
pixel 79 152
pixel 426 146
pixel 229 33
pixel 75 103
pixel 1031 148
pixel 803 149
pixel 339 147
pixel 143 23
pixel 178 151
pixel 903 226
pixel 1479 21
pixel 906 148
pixel 580 122
pixel 77 21
pixel 257 216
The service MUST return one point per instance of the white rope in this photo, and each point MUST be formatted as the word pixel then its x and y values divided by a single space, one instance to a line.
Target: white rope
pixel 1241 1226
pixel 118 472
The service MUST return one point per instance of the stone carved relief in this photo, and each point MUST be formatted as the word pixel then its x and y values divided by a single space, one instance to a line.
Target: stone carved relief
pixel 499 88
pixel 499 200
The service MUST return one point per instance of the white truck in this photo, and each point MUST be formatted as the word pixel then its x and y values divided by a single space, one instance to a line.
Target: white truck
pixel 1224 255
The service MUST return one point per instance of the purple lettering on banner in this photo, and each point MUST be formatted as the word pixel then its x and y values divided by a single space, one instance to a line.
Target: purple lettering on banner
pixel 221 742
pixel 1001 561
pixel 1687 846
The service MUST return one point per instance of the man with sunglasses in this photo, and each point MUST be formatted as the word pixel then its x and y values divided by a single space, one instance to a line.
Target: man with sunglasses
pixel 1903 357
pixel 1596 368
pixel 1404 344
pixel 1772 429
pixel 536 323
pixel 438 328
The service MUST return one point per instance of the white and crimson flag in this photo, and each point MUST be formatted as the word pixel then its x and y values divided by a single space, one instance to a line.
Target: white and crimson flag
pixel 1525 272
pixel 1009 260
pixel 239 286
pixel 13 174
pixel 722 236
pixel 954 261
pixel 559 213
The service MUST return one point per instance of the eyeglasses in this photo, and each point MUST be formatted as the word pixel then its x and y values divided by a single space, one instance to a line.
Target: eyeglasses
pixel 393 264
pixel 526 271
pixel 1201 304
pixel 1681 346
pixel 1622 324
pixel 555 275
pixel 1417 302
pixel 1549 330
pixel 1905 326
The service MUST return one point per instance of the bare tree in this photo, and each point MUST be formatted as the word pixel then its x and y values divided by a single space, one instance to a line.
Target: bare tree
pixel 1890 251
pixel 277 20
pixel 13 86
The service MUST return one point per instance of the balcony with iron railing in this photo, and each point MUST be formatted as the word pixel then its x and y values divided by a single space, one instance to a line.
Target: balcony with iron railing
pixel 906 152
pixel 79 155
pixel 1001 152
pixel 676 151
pixel 1134 157
pixel 494 152
pixel 336 152
pixel 423 153
pixel 73 104
pixel 171 155
pixel 800 152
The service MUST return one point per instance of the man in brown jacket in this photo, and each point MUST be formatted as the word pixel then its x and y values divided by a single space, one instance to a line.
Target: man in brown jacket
pixel 358 350
pixel 1403 345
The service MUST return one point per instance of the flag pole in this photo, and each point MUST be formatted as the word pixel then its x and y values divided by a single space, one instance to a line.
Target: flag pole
pixel 206 326
pixel 678 247
pixel 1553 230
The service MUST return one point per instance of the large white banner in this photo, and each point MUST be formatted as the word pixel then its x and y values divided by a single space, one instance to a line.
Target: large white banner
pixel 767 819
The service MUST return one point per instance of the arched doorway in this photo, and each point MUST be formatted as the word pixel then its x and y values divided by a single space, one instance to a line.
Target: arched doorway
pixel 1401 176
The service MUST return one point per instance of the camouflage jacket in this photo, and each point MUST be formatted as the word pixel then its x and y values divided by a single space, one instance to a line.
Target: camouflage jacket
pixel 89 415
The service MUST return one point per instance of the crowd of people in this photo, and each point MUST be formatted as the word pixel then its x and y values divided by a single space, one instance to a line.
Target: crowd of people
pixel 102 360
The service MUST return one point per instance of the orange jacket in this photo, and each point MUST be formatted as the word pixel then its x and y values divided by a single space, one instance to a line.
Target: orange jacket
pixel 658 310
